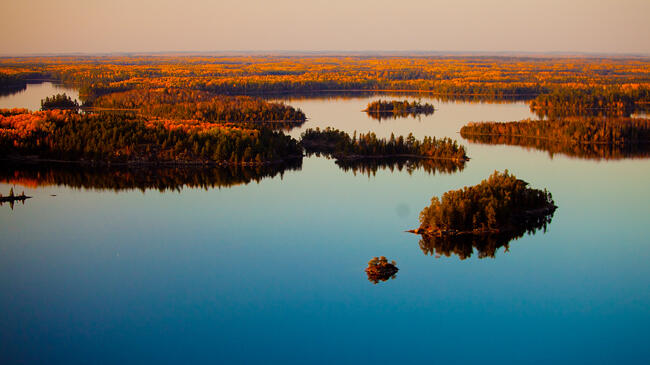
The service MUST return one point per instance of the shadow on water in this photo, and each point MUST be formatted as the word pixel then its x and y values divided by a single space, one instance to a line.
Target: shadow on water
pixel 139 178
pixel 485 245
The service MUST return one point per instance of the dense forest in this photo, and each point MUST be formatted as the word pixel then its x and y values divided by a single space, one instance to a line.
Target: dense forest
pixel 395 108
pixel 490 77
pixel 498 204
pixel 340 145
pixel 172 103
pixel 588 137
pixel 119 178
pixel 59 101
pixel 126 138
pixel 592 101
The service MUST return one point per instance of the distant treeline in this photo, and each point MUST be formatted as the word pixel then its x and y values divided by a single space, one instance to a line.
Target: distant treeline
pixel 380 109
pixel 125 138
pixel 342 146
pixel 591 101
pixel 498 204
pixel 118 178
pixel 582 137
pixel 59 101
pixel 176 103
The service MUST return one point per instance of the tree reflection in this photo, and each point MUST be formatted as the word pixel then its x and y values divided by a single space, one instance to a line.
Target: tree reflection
pixel 593 151
pixel 370 167
pixel 486 245
pixel 139 178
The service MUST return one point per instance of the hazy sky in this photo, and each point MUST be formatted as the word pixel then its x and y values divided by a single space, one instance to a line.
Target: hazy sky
pixel 44 26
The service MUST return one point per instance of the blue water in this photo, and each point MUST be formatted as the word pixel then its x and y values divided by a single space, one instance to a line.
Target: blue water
pixel 272 272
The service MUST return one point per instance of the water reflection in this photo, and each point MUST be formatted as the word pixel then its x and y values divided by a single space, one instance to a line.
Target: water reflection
pixel 580 150
pixel 486 245
pixel 379 116
pixel 140 178
pixel 371 166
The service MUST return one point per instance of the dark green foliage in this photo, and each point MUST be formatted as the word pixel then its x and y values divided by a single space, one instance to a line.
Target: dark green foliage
pixel 500 203
pixel 59 101
pixel 342 146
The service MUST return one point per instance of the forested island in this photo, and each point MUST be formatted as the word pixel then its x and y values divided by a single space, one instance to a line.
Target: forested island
pixel 379 269
pixel 12 198
pixel 59 101
pixel 367 146
pixel 127 138
pixel 587 137
pixel 381 109
pixel 502 203
pixel 184 104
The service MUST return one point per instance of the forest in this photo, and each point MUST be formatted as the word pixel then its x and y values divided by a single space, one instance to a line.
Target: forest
pixel 181 104
pixel 127 138
pixel 500 203
pixel 587 137
pixel 609 101
pixel 340 145
pixel 380 109
pixel 491 78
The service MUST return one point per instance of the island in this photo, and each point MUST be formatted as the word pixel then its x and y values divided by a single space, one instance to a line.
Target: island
pixel 368 146
pixel 11 198
pixel 59 101
pixel 130 138
pixel 585 137
pixel 396 108
pixel 379 269
pixel 501 203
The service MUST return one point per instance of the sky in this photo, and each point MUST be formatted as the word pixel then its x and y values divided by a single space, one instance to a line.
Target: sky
pixel 93 26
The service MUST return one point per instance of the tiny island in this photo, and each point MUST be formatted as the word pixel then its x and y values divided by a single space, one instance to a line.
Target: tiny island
pixel 379 269
pixel 502 203
pixel 396 108
pixel 11 198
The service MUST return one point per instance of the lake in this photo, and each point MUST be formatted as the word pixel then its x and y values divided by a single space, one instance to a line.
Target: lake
pixel 271 269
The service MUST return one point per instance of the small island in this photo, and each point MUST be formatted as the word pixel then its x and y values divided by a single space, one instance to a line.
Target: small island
pixel 502 203
pixel 11 198
pixel 379 269
pixel 368 146
pixel 59 101
pixel 396 108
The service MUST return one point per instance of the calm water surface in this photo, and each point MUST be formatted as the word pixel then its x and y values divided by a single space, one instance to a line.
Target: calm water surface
pixel 272 271
pixel 31 97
